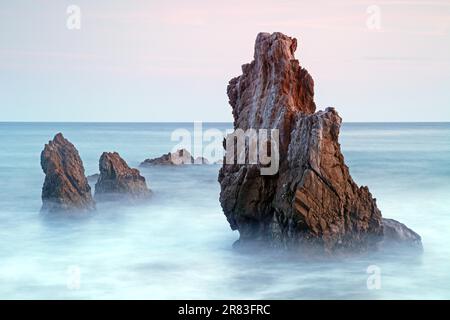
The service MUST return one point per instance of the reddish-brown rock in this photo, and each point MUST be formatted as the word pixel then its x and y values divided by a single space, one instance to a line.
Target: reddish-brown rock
pixel 273 88
pixel 312 200
pixel 66 188
pixel 117 181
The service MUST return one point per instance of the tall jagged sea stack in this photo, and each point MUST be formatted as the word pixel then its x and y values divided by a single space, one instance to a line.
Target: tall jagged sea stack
pixel 312 200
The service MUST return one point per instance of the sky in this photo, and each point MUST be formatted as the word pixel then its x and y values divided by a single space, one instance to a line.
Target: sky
pixel 171 60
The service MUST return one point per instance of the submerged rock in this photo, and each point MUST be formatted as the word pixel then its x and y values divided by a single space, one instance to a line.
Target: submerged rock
pixel 117 181
pixel 177 158
pixel 66 188
pixel 312 200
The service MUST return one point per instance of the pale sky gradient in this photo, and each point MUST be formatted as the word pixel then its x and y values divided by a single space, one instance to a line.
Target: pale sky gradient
pixel 171 60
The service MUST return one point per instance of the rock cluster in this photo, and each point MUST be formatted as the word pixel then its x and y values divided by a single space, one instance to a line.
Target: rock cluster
pixel 118 181
pixel 177 158
pixel 66 188
pixel 312 200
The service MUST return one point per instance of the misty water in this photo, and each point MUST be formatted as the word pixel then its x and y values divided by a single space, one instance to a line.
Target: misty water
pixel 179 244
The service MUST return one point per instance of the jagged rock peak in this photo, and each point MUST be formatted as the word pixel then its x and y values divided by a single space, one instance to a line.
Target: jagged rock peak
pixel 65 188
pixel 118 181
pixel 273 88
pixel 275 45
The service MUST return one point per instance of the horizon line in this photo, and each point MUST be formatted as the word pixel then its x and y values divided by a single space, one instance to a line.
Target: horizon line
pixel 169 122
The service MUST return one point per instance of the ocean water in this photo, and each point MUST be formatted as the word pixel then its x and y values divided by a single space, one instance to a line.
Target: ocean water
pixel 179 245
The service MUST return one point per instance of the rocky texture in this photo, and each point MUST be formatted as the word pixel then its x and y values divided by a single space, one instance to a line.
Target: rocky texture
pixel 177 158
pixel 117 181
pixel 66 188
pixel 312 200
pixel 396 233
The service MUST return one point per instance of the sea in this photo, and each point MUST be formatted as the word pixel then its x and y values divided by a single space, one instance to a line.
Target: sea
pixel 178 245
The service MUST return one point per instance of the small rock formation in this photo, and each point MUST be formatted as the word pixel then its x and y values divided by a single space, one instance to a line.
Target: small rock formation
pixel 396 233
pixel 66 188
pixel 177 158
pixel 117 181
pixel 312 200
